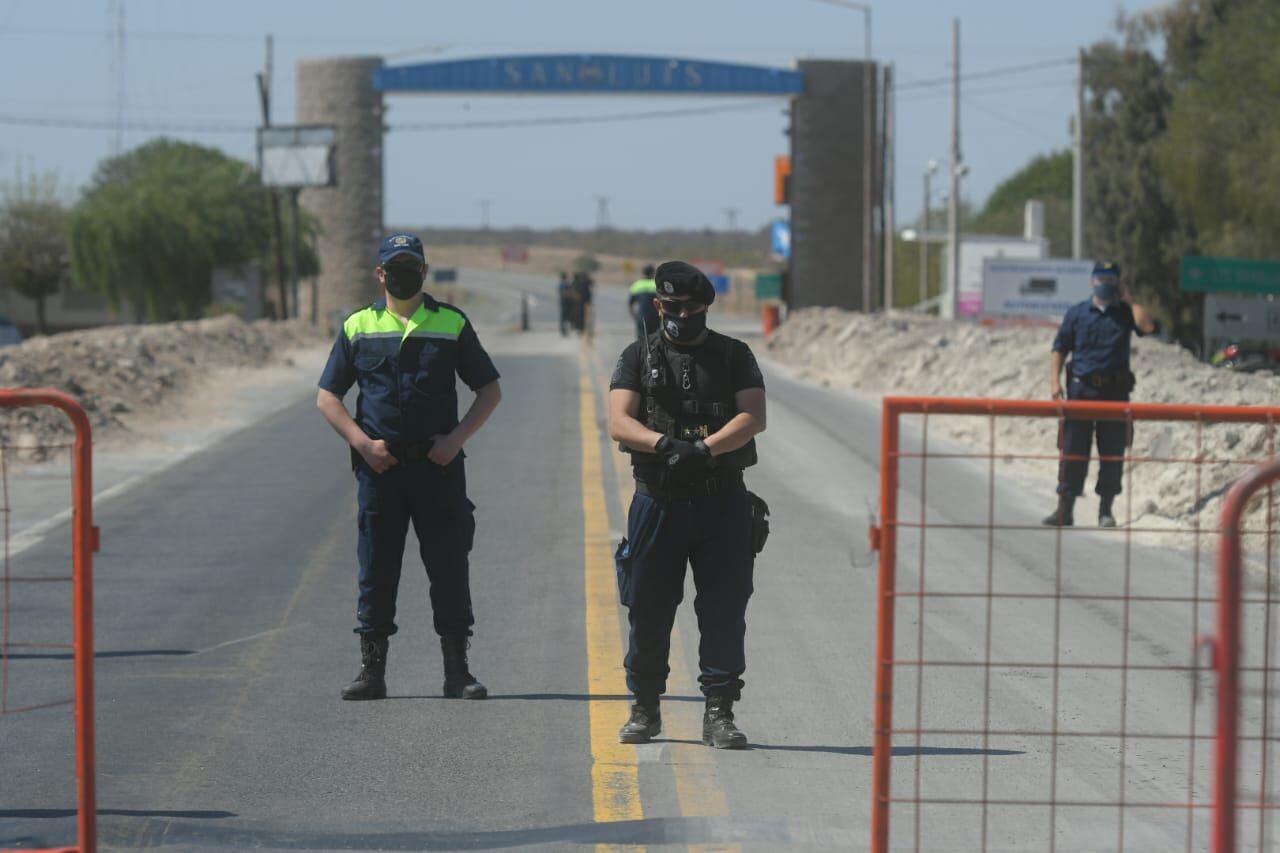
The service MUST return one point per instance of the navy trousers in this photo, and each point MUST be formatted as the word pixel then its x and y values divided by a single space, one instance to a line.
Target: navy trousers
pixel 1077 440
pixel 435 500
pixel 713 535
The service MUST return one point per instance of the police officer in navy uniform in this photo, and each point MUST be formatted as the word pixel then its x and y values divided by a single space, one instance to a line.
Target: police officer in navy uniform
pixel 687 403
pixel 406 449
pixel 1095 333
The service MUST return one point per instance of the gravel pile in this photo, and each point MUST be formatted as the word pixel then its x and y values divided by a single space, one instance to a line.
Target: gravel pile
pixel 121 369
pixel 907 354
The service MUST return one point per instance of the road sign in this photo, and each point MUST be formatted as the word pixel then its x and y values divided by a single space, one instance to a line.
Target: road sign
pixel 1241 318
pixel 768 285
pixel 781 239
pixel 1229 275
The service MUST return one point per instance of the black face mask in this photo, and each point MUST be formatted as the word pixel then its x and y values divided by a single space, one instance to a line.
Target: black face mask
pixel 403 282
pixel 685 329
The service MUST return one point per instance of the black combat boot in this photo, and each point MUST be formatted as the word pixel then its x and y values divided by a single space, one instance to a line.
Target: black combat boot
pixel 1105 518
pixel 371 683
pixel 459 683
pixel 645 722
pixel 1063 515
pixel 718 729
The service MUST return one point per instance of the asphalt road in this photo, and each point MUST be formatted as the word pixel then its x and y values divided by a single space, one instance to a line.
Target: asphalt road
pixel 225 600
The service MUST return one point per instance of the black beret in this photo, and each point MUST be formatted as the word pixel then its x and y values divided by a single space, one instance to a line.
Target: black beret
pixel 677 278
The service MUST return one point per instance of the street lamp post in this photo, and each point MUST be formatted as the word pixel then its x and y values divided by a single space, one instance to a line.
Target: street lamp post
pixel 865 9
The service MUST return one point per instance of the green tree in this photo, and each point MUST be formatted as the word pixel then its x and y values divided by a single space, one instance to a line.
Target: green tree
pixel 33 241
pixel 1129 211
pixel 1046 178
pixel 155 222
pixel 1221 151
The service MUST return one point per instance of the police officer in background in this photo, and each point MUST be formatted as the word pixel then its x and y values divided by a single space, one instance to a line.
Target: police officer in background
pixel 1096 335
pixel 406 449
pixel 641 304
pixel 564 292
pixel 687 402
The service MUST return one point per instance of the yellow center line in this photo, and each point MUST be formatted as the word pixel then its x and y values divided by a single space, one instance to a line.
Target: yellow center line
pixel 615 770
pixel 698 789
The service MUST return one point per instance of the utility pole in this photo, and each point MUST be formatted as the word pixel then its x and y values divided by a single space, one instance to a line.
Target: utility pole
pixel 867 74
pixel 948 305
pixel 731 218
pixel 890 227
pixel 116 11
pixel 264 100
pixel 484 213
pixel 1077 167
pixel 602 213
pixel 924 231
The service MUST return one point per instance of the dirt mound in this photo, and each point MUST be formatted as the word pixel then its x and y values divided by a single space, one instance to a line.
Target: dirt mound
pixel 122 369
pixel 909 354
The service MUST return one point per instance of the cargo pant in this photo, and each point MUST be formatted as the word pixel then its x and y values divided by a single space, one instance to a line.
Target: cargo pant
pixel 1077 441
pixel 712 534
pixel 434 499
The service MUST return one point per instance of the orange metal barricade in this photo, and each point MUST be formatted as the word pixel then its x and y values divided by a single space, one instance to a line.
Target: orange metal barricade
pixel 1230 663
pixel 1068 664
pixel 84 544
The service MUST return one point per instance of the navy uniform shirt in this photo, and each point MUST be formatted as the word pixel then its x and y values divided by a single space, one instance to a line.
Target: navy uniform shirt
pixel 1097 339
pixel 406 371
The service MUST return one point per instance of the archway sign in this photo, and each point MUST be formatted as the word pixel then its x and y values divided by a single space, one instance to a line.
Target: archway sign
pixel 584 74
pixel 826 133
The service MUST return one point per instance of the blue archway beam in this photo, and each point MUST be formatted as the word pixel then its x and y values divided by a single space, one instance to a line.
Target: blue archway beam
pixel 588 73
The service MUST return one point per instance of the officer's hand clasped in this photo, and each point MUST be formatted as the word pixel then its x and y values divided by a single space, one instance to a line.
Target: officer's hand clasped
pixel 377 455
pixel 685 458
pixel 444 449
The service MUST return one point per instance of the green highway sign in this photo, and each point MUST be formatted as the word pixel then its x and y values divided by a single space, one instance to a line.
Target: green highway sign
pixel 768 285
pixel 1229 275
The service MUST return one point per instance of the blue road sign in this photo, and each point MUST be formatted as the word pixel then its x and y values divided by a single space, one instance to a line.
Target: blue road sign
pixel 782 238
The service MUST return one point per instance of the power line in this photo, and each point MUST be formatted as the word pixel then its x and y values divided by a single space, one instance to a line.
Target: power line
pixel 160 126
pixel 990 72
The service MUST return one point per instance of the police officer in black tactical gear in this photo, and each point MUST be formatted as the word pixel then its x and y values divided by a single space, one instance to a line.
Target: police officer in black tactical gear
pixel 687 403
pixel 1095 333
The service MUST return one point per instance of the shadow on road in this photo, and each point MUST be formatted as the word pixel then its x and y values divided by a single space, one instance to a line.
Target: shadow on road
pixel 133 653
pixel 564 697
pixel 864 750
pixel 50 814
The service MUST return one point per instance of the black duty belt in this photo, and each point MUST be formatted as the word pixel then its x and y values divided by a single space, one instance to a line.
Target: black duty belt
pixel 1105 378
pixel 666 488
pixel 411 452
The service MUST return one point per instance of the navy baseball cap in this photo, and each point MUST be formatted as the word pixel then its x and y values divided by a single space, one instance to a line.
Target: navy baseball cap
pixel 677 278
pixel 1106 268
pixel 400 244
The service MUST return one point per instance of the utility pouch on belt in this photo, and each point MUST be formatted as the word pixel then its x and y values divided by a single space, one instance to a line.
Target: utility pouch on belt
pixel 622 564
pixel 759 522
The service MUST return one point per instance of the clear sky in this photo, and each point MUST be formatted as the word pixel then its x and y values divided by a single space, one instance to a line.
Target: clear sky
pixel 189 67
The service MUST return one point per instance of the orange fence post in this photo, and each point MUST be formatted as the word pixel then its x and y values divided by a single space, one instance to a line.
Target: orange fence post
pixel 84 544
pixel 1227 654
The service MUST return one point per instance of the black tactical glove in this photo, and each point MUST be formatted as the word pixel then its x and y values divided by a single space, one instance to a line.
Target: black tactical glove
pixel 684 458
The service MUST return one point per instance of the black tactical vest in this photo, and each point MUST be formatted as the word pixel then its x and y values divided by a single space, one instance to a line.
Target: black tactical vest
pixel 689 395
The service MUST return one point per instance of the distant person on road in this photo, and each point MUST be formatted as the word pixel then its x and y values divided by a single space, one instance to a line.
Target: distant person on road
pixel 687 403
pixel 1095 333
pixel 641 303
pixel 406 450
pixel 582 292
pixel 564 292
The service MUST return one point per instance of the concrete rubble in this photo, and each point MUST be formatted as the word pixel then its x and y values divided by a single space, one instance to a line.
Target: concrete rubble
pixel 119 370
pixel 909 354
